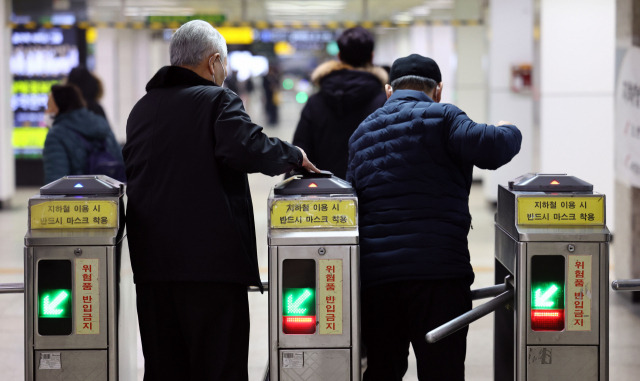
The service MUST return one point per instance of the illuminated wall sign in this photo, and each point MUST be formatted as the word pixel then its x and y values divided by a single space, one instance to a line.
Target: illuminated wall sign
pixel 39 59
pixel 212 19
pixel 299 39
pixel 237 35
pixel 547 292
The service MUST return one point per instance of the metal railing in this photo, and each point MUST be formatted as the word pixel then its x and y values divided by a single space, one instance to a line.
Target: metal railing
pixel 11 288
pixel 626 285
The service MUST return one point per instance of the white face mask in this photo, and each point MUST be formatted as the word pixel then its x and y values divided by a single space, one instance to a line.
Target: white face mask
pixel 48 119
pixel 223 69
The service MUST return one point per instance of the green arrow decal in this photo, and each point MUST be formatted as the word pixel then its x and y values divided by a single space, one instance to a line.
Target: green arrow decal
pixel 51 308
pixel 542 300
pixel 294 307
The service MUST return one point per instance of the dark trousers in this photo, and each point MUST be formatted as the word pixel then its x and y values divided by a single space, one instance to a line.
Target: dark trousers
pixel 396 314
pixel 194 331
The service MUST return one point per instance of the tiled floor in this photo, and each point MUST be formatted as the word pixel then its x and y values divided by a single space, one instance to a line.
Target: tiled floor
pixel 624 316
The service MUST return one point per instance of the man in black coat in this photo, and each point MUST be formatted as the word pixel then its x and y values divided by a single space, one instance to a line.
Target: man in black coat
pixel 190 145
pixel 350 90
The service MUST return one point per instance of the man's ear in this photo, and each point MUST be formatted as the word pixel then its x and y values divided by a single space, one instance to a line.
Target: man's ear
pixel 438 93
pixel 388 89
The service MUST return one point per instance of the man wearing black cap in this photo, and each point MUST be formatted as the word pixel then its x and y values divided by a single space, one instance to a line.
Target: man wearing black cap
pixel 411 163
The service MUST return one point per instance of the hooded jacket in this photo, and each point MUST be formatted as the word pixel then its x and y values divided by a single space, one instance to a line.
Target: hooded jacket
pixel 345 98
pixel 411 163
pixel 190 145
pixel 65 153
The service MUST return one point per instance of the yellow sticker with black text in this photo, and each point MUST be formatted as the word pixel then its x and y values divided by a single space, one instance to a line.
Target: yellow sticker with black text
pixel 293 214
pixel 552 210
pixel 74 214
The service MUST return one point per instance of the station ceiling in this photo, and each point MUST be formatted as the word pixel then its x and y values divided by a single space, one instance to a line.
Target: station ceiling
pixel 271 11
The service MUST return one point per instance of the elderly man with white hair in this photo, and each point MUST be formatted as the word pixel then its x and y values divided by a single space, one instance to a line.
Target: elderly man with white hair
pixel 190 145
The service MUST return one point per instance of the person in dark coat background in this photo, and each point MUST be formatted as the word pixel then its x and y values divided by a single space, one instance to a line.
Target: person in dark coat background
pixel 65 153
pixel 350 90
pixel 90 87
pixel 191 233
pixel 411 163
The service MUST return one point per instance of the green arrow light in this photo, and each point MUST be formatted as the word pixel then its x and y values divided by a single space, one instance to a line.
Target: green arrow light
pixel 294 307
pixel 55 304
pixel 542 300
pixel 299 301
pixel 546 296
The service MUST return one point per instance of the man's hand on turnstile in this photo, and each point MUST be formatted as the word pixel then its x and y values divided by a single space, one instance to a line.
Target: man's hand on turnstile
pixel 306 164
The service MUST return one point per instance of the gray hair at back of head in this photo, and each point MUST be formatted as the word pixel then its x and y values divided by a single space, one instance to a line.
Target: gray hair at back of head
pixel 194 41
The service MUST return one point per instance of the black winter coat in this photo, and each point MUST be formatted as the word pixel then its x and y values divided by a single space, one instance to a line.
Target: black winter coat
pixel 346 97
pixel 411 163
pixel 190 145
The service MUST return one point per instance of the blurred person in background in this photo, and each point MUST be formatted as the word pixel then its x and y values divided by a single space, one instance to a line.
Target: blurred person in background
pixel 231 82
pixel 65 152
pixel 350 90
pixel 90 86
pixel 190 144
pixel 271 87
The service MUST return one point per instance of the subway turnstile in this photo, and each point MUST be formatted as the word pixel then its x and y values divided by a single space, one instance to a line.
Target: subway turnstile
pixel 314 331
pixel 551 237
pixel 72 249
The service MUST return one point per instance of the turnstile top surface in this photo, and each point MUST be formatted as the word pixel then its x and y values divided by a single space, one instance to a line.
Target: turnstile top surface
pixel 539 182
pixel 310 183
pixel 86 185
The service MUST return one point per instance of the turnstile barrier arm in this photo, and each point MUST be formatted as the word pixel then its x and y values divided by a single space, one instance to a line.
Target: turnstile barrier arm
pixel 505 294
pixel 11 288
pixel 465 319
pixel 488 292
pixel 265 287
pixel 626 285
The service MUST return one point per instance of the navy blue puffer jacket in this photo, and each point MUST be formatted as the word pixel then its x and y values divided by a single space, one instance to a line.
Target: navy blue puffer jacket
pixel 411 163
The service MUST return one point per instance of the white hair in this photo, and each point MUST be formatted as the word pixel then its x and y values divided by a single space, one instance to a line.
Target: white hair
pixel 194 41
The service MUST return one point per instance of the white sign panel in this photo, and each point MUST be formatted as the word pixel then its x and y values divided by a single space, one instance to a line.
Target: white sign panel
pixel 627 124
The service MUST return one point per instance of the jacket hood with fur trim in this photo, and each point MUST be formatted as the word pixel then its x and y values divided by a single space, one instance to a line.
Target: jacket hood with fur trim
pixel 344 87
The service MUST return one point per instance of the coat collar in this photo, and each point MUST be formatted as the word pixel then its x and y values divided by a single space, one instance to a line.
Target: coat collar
pixel 170 76
pixel 419 96
pixel 329 67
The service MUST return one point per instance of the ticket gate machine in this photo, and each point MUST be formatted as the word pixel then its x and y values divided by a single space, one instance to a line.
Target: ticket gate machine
pixel 71 256
pixel 551 237
pixel 314 314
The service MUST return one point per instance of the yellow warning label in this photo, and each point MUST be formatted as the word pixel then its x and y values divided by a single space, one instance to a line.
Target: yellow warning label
pixel 87 297
pixel 74 214
pixel 313 214
pixel 551 210
pixel 330 301
pixel 579 296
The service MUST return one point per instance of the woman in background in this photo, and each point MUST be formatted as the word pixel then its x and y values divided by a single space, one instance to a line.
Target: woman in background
pixel 65 148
